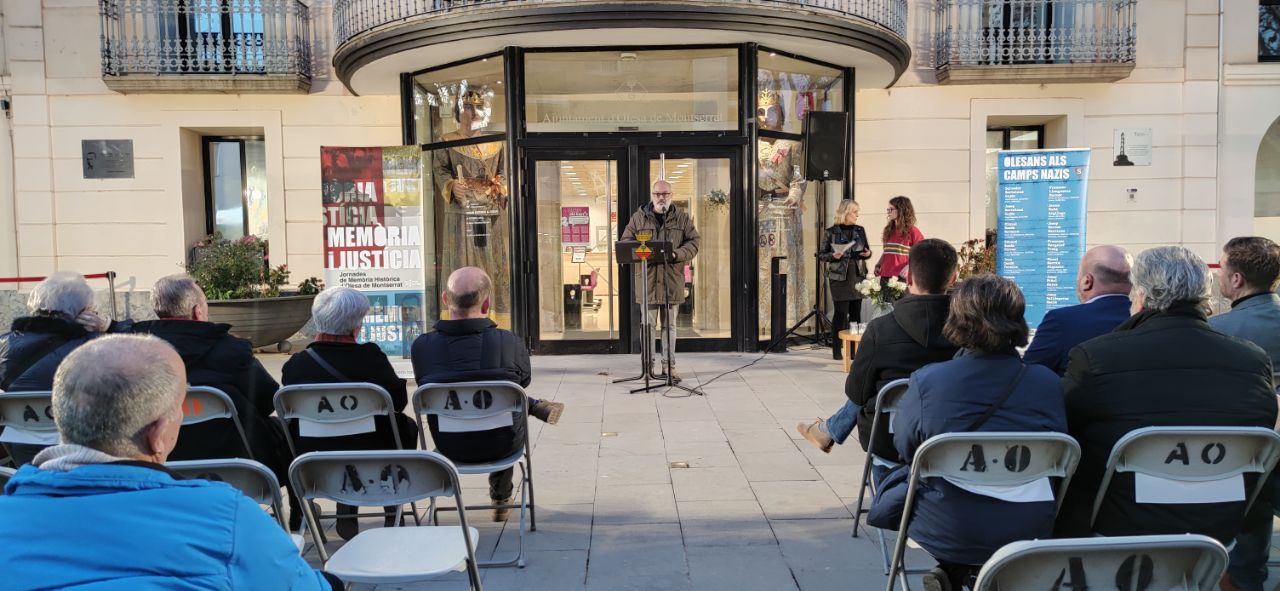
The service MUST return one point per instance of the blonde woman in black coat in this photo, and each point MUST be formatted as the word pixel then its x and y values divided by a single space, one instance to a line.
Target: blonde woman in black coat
pixel 845 251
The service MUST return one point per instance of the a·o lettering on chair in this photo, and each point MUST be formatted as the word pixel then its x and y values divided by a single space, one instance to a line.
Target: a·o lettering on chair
pixel 1213 453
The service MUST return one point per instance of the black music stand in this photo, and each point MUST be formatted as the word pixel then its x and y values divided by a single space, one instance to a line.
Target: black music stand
pixel 630 252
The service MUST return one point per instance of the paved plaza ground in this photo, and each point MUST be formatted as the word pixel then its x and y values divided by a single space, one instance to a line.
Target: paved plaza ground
pixel 757 508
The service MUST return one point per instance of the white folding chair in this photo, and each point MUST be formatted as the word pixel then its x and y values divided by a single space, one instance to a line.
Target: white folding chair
pixel 396 554
pixel 27 418
pixel 479 406
pixel 5 475
pixel 336 410
pixel 205 403
pixel 886 407
pixel 1182 562
pixel 1026 458
pixel 249 477
pixel 1192 457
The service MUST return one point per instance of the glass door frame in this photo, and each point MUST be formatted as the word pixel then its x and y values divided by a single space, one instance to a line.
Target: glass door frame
pixel 530 302
pixel 738 222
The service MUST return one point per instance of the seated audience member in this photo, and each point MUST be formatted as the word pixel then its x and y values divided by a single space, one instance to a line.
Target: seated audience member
pixel 962 527
pixel 1250 270
pixel 61 318
pixel 1163 367
pixel 101 511
pixel 335 356
pixel 893 346
pixel 1102 286
pixel 470 347
pixel 215 358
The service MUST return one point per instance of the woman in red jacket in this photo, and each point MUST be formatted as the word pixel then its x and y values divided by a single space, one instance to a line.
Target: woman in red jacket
pixel 900 234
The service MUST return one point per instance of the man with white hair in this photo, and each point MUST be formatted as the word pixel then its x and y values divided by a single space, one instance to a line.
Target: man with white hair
pixel 62 317
pixel 215 358
pixel 100 510
pixel 665 223
pixel 1163 367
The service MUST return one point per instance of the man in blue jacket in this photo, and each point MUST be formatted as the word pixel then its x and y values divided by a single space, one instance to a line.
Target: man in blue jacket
pixel 100 511
pixel 1102 286
pixel 1250 268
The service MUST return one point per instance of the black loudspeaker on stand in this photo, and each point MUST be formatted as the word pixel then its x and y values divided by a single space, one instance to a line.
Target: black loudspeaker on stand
pixel 826 146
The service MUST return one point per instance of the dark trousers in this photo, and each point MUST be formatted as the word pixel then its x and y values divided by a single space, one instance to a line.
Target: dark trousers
pixel 844 312
pixel 22 453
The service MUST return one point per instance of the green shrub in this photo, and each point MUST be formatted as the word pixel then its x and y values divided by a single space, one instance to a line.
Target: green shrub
pixel 235 269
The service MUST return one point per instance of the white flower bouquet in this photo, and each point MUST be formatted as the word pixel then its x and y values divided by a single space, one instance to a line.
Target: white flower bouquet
pixel 871 289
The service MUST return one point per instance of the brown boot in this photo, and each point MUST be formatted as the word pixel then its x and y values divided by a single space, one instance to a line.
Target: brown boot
pixel 501 513
pixel 547 412
pixel 1226 585
pixel 816 433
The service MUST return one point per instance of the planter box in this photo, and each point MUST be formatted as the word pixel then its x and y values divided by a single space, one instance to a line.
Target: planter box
pixel 263 321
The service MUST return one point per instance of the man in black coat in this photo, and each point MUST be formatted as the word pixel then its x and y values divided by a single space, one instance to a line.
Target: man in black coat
pixel 1166 367
pixel 61 319
pixel 893 346
pixel 215 358
pixel 470 347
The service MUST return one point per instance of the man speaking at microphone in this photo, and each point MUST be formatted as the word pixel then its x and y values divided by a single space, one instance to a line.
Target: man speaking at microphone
pixel 666 223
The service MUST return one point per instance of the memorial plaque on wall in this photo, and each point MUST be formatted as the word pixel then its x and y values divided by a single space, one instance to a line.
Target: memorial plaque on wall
pixel 107 159
pixel 1042 224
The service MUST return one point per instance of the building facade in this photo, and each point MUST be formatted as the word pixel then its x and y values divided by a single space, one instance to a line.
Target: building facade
pixel 542 125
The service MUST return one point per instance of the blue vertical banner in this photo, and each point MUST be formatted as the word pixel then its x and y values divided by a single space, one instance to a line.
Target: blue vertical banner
pixel 1042 208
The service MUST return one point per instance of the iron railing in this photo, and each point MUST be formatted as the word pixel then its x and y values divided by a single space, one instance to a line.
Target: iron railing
pixel 353 17
pixel 205 37
pixel 1021 32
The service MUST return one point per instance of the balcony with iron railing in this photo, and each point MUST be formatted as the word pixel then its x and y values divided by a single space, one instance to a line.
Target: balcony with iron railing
pixel 422 33
pixel 1039 41
pixel 234 46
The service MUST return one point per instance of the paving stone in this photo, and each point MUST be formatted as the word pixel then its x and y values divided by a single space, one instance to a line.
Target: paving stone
pixel 800 500
pixel 635 503
pixel 739 569
pixel 560 527
pixel 711 484
pixel 624 552
pixel 549 570
pixel 724 523
pixel 618 470
pixel 789 465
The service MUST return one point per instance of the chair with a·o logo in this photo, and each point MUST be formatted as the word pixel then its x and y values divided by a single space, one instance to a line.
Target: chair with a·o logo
pixel 1191 465
pixel 335 410
pixel 1180 562
pixel 481 406
pixel 27 418
pixel 978 460
pixel 205 403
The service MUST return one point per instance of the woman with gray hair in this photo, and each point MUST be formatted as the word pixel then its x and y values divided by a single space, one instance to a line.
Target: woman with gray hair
pixel 335 356
pixel 61 318
pixel 1163 367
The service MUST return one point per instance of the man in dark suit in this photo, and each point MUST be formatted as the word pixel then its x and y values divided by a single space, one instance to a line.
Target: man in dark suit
pixel 1102 286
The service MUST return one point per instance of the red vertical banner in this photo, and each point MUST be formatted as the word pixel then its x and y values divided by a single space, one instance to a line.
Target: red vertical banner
pixel 372 204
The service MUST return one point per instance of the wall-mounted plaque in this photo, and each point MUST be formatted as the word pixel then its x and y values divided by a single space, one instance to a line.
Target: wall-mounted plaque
pixel 107 159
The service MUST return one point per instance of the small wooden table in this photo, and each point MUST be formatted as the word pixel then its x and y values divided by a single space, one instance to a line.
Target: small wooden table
pixel 849 341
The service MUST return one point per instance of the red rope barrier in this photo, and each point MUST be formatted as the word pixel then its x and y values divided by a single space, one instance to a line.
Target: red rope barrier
pixel 36 279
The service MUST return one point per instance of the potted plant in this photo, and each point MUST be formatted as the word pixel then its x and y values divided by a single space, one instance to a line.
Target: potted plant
pixel 978 256
pixel 245 291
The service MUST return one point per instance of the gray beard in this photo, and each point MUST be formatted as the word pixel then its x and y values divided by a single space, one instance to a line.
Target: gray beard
pixel 660 209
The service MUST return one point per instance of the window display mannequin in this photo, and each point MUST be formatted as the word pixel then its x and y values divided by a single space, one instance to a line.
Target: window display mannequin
pixel 780 185
pixel 471 182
